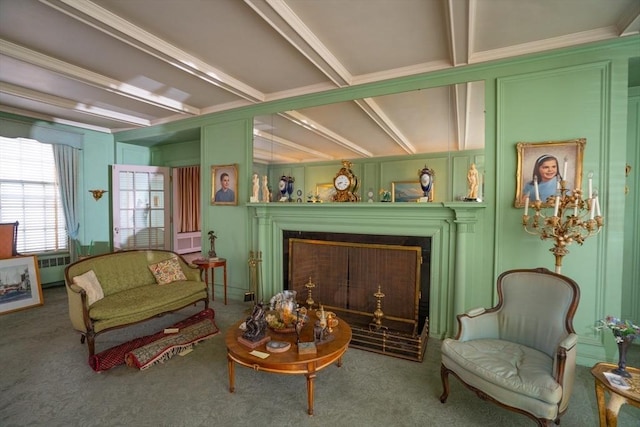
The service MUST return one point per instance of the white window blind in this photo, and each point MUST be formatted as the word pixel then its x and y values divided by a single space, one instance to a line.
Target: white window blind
pixel 29 194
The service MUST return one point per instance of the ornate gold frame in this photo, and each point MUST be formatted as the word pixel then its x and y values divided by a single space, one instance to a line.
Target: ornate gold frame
pixel 572 150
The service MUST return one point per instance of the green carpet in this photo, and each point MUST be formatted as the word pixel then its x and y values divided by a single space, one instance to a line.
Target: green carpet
pixel 45 381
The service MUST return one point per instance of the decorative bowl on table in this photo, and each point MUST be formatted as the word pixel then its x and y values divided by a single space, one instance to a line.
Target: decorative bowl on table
pixel 284 321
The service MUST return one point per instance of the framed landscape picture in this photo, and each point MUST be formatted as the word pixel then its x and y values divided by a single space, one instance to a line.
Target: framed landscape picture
pixel 325 192
pixel 547 161
pixel 224 185
pixel 409 191
pixel 19 284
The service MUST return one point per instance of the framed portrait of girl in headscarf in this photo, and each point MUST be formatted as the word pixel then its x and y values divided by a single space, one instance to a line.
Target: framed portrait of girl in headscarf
pixel 542 166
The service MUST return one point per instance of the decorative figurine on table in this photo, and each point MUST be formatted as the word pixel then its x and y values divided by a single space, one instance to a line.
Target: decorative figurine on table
pixel 426 183
pixel 256 324
pixel 212 241
pixel 472 184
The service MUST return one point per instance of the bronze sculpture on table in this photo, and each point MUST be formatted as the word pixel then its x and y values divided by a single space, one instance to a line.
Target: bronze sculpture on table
pixel 256 324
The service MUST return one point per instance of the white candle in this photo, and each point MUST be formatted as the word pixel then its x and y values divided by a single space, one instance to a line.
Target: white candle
pixel 597 206
pixel 564 171
pixel 535 186
pixel 555 209
pixel 575 210
pixel 593 206
pixel 590 184
pixel 526 205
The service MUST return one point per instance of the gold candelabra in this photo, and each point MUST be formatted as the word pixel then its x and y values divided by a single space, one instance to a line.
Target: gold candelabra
pixel 574 219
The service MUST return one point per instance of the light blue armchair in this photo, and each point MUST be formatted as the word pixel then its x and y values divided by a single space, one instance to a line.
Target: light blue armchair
pixel 520 354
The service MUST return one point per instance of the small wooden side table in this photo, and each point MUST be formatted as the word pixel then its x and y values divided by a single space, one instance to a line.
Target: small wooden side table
pixel 205 265
pixel 608 412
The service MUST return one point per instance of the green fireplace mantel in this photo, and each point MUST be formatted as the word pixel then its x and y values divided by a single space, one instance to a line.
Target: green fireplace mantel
pixel 451 226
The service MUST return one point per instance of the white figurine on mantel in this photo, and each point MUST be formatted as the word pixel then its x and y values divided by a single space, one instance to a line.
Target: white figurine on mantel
pixel 256 189
pixel 472 183
pixel 265 189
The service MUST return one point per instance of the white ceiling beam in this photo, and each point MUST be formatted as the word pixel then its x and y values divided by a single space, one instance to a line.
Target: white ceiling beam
pixel 70 104
pixel 48 118
pixel 267 157
pixel 320 130
pixel 281 18
pixel 270 138
pixel 94 79
pixel 630 22
pixel 458 30
pixel 584 37
pixel 376 113
pixel 125 31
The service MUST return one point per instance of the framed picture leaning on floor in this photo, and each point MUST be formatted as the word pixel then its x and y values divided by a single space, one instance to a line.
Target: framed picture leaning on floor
pixel 19 283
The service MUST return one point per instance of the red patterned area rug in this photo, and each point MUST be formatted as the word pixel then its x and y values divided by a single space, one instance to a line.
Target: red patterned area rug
pixel 146 351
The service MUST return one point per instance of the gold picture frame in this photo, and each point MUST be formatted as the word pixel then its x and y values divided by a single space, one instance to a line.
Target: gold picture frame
pixel 224 176
pixel 569 152
pixel 19 284
pixel 409 191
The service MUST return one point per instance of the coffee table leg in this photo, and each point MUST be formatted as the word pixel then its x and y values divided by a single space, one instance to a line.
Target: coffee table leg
pixel 310 378
pixel 232 385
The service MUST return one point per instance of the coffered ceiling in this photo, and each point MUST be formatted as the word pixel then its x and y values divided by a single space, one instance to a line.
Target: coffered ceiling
pixel 113 65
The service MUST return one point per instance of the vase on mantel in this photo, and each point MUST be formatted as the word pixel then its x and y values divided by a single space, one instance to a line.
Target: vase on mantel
pixel 624 342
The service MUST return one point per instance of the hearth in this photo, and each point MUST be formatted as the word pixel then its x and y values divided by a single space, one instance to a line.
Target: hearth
pixel 355 274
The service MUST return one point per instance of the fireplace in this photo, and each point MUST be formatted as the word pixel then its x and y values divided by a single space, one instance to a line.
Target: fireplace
pixel 357 274
pixel 454 235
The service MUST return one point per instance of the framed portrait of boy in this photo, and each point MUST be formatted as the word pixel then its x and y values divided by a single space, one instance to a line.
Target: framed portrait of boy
pixel 224 184
pixel 542 165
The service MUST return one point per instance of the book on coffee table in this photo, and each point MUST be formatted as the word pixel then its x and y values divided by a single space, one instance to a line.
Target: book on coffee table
pixel 307 348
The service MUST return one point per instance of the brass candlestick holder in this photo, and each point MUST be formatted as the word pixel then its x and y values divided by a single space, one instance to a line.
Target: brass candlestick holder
pixel 573 219
pixel 378 314
pixel 309 285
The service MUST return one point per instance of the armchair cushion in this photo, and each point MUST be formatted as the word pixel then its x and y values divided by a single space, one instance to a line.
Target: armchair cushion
pixel 506 365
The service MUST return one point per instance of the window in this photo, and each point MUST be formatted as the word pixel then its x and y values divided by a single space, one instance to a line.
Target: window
pixel 29 194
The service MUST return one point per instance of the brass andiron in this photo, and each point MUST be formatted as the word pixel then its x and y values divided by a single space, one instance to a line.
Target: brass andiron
pixel 255 258
pixel 574 219
pixel 310 285
pixel 378 314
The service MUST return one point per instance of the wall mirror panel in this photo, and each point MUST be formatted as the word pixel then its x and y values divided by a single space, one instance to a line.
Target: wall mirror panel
pixel 434 120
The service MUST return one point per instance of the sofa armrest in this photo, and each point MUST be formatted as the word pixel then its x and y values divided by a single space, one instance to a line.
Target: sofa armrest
pixel 478 324
pixel 78 307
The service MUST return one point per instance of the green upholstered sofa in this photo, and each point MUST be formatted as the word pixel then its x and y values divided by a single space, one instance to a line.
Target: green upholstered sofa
pixel 131 291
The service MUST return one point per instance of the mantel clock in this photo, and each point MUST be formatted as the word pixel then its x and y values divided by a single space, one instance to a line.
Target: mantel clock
pixel 346 184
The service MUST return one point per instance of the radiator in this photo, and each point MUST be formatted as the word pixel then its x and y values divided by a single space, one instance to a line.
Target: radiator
pixel 52 268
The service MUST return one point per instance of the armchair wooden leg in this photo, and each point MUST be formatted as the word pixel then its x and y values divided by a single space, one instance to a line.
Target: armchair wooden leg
pixel 444 374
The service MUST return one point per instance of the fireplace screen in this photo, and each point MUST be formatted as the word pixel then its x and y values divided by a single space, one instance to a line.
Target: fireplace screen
pixel 347 275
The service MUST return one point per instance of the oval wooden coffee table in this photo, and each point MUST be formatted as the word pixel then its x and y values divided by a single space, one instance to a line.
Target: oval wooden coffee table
pixel 289 362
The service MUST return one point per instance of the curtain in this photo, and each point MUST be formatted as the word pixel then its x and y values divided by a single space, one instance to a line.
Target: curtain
pixel 66 158
pixel 188 179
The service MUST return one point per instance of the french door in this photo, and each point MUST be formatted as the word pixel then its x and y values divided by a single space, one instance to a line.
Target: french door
pixel 141 207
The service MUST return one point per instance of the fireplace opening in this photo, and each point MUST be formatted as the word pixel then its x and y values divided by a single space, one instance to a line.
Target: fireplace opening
pixel 349 268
